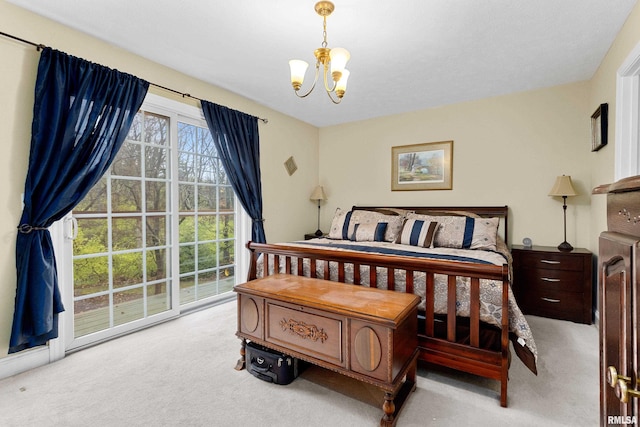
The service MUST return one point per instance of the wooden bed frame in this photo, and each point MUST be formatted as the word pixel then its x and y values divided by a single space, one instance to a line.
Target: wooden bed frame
pixel 440 350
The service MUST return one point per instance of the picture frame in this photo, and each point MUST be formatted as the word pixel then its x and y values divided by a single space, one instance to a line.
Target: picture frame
pixel 426 166
pixel 599 127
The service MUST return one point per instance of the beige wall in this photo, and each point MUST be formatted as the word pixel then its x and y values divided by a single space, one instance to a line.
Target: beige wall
pixel 603 90
pixel 279 139
pixel 507 150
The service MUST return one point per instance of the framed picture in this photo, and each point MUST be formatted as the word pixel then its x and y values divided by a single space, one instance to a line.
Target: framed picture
pixel 599 127
pixel 426 166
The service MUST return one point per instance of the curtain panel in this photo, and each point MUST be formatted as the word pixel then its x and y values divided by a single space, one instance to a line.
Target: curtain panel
pixel 235 135
pixel 82 114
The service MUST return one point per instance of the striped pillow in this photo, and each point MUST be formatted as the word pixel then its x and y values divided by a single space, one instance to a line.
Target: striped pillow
pixel 340 225
pixel 416 232
pixel 463 232
pixel 484 234
pixel 394 222
pixel 371 232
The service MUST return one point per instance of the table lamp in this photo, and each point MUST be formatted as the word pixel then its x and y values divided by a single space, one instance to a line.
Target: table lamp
pixel 563 187
pixel 318 194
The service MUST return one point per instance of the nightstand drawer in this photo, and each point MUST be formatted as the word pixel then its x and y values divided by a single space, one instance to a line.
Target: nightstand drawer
pixel 553 303
pixel 543 279
pixel 553 261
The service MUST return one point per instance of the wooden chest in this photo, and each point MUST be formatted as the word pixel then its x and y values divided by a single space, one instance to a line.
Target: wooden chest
pixel 367 334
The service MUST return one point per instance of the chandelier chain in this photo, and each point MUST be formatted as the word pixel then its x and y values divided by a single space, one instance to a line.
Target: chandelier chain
pixel 324 31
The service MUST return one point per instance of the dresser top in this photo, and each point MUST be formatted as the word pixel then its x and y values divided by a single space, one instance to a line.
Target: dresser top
pixel 360 301
pixel 623 185
pixel 554 249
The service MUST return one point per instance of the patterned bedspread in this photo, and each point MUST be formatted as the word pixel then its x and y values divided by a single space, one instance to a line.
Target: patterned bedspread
pixel 490 291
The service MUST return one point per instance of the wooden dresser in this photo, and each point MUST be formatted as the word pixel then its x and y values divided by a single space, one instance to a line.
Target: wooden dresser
pixel 551 283
pixel 367 334
pixel 619 303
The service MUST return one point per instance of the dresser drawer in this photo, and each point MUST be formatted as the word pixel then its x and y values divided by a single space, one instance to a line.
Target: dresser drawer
pixel 553 261
pixel 544 279
pixel 557 304
pixel 306 332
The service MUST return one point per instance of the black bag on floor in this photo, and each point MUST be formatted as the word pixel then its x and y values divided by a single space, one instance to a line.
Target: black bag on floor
pixel 270 365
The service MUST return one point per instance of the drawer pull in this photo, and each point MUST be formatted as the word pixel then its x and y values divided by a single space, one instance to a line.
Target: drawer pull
pixel 546 261
pixel 548 279
pixel 550 300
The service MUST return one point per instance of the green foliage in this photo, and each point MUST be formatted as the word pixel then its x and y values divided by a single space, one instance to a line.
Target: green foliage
pixel 206 225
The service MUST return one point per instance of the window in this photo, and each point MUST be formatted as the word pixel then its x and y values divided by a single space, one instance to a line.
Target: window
pixel 206 217
pixel 157 234
pixel 627 124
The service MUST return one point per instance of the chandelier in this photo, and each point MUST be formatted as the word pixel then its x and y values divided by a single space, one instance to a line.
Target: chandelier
pixel 335 58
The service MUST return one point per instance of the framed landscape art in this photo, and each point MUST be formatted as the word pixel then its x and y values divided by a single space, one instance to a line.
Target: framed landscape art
pixel 427 166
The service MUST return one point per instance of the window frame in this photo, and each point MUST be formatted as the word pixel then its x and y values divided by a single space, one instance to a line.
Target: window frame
pixel 63 230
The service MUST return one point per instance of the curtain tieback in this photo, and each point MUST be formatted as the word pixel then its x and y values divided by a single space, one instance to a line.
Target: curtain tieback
pixel 26 228
pixel 257 219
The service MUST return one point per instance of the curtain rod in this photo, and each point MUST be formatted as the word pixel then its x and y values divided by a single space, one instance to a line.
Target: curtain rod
pixel 184 95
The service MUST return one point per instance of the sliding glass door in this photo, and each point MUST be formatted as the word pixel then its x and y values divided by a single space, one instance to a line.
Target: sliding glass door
pixel 155 236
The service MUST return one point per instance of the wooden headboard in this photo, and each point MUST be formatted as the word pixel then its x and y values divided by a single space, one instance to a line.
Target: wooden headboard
pixel 483 211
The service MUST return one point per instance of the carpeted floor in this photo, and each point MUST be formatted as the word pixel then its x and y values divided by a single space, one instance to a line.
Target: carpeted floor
pixel 181 373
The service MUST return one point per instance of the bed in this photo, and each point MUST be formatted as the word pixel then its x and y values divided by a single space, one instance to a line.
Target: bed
pixel 455 259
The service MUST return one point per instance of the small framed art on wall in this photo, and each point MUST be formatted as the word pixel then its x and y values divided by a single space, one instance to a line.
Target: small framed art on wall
pixel 599 127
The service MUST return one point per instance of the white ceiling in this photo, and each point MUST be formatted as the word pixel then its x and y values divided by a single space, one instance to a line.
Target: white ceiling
pixel 406 55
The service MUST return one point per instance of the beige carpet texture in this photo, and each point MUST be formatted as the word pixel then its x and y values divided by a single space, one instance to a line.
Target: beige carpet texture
pixel 181 373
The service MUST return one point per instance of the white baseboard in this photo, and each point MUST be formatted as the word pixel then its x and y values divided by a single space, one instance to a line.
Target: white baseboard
pixel 23 361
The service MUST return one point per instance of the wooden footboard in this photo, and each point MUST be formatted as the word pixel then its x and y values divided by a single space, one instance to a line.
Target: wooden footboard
pixel 440 350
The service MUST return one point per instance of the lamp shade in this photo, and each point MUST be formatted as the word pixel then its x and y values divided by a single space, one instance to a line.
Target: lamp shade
pixel 318 194
pixel 342 83
pixel 563 187
pixel 298 69
pixel 339 57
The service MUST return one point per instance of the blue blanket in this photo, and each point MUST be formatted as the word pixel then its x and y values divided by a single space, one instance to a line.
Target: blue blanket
pixel 401 252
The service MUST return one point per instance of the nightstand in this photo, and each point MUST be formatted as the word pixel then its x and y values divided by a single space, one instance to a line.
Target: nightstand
pixel 312 236
pixel 555 284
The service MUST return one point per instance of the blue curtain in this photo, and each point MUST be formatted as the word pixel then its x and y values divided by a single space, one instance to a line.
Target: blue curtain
pixel 235 136
pixel 82 114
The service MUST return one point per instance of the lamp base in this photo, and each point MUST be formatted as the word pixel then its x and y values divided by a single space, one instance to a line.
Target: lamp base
pixel 320 233
pixel 565 247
